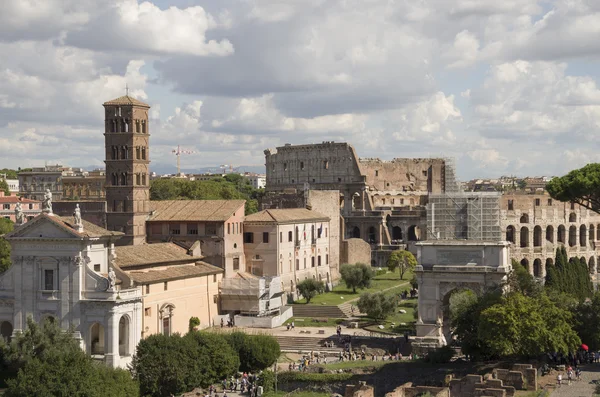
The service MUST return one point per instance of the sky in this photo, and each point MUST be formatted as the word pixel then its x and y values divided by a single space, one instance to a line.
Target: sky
pixel 504 87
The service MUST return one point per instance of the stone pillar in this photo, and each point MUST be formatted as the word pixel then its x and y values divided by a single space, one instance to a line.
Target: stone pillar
pixel 111 348
pixel 517 237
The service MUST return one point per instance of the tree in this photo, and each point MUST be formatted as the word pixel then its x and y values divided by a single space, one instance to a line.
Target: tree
pixel 403 259
pixel 378 305
pixel 46 361
pixel 4 187
pixel 569 276
pixel 356 276
pixel 256 352
pixel 522 281
pixel 309 288
pixel 581 186
pixel 6 226
pixel 193 323
pixel 587 322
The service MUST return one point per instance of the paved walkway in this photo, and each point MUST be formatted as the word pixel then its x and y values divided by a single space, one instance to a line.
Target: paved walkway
pixel 590 376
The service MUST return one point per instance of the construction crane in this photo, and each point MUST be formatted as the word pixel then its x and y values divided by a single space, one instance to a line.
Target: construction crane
pixel 178 152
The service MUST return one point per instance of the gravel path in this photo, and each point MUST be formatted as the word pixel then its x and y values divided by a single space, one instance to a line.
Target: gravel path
pixel 590 376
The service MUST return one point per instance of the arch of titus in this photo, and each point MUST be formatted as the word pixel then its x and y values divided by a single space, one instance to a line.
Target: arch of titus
pixel 445 266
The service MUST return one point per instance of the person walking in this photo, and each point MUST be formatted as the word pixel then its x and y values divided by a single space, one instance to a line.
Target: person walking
pixel 559 379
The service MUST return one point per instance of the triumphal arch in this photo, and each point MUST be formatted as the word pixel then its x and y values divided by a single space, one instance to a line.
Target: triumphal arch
pixel 446 266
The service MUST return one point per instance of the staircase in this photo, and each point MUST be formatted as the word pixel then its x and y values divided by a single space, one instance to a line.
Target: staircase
pixel 315 311
pixel 294 344
pixel 346 308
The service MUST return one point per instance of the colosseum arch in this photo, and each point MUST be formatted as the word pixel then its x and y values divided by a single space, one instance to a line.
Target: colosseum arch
pixel 582 235
pixel 572 217
pixel 414 233
pixel 356 232
pixel 396 233
pixel 525 264
pixel 562 234
pixel 510 234
pixel 524 237
pixel 550 233
pixel 524 218
pixel 537 236
pixel 572 236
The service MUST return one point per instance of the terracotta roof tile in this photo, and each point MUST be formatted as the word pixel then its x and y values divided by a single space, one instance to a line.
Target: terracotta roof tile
pixel 194 210
pixel 89 229
pixel 286 216
pixel 126 100
pixel 173 273
pixel 15 199
pixel 151 254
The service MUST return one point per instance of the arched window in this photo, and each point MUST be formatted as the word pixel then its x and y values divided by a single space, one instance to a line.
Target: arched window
pixel 525 264
pixel 97 340
pixel 524 237
pixel 550 233
pixel 123 179
pixel 524 218
pixel 572 236
pixel 372 235
pixel 414 233
pixel 355 232
pixel 396 233
pixel 592 233
pixel 562 234
pixel 124 345
pixel 6 330
pixel 572 217
pixel 537 268
pixel 592 265
pixel 537 236
pixel 582 235
pixel 510 234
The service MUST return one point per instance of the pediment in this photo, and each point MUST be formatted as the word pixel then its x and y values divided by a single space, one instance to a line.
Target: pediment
pixel 44 227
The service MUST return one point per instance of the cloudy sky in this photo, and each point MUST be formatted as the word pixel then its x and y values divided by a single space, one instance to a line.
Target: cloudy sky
pixel 505 87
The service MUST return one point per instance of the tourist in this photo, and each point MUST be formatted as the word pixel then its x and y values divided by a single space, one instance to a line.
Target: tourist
pixel 293 325
pixel 569 374
pixel 288 326
pixel 559 379
pixel 222 323
pixel 577 374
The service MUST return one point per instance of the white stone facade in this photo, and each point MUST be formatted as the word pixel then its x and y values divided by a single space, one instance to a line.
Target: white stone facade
pixel 61 273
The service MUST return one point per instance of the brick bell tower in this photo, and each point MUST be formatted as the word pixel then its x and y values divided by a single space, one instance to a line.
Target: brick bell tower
pixel 127 162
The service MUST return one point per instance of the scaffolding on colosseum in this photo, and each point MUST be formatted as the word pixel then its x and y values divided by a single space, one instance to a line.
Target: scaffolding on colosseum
pixel 464 216
pixel 451 184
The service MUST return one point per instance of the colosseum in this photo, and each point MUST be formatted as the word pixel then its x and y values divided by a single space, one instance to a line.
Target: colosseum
pixel 385 203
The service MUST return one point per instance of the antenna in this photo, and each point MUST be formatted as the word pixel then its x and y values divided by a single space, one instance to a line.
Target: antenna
pixel 126 89
pixel 178 152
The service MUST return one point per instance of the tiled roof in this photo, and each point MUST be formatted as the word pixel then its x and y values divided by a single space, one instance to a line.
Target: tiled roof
pixel 151 254
pixel 126 100
pixel 89 229
pixel 286 216
pixel 15 199
pixel 173 273
pixel 194 210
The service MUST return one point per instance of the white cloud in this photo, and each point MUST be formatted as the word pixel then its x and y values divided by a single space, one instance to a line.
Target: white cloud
pixel 464 51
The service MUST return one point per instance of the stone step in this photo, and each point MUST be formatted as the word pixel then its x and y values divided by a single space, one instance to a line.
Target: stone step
pixel 315 311
pixel 305 344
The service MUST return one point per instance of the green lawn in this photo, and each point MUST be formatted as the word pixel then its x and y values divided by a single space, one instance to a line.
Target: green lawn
pixel 296 394
pixel 356 364
pixel 341 294
pixel 397 318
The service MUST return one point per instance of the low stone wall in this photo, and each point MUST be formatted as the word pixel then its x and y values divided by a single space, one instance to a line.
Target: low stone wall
pixel 264 322
pixel 408 390
pixel 359 390
pixel 520 376
pixel 475 386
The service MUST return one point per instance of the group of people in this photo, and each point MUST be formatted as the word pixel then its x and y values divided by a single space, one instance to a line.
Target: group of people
pixel 247 383
pixel 291 325
pixel 413 293
pixel 230 323
pixel 576 374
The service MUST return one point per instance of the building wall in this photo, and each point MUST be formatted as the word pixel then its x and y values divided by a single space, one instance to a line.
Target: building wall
pixel 221 242
pixel 541 224
pixel 327 202
pixel 355 250
pixel 404 175
pixel 273 258
pixel 84 187
pixel 190 297
pixel 31 210
pixel 33 184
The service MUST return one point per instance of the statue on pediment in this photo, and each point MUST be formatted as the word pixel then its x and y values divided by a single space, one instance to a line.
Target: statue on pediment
pixel 19 215
pixel 47 202
pixel 77 215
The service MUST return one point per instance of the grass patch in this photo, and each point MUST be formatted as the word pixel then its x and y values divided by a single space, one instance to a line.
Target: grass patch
pixel 299 393
pixel 410 305
pixel 310 322
pixel 295 376
pixel 378 283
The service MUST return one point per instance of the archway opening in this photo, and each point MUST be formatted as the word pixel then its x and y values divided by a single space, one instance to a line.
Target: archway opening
pixel 572 217
pixel 525 264
pixel 510 234
pixel 524 237
pixel 549 262
pixel 124 337
pixel 550 234
pixel 414 233
pixel 453 304
pixel 97 341
pixel 397 233
pixel 356 232
pixel 6 330
pixel 537 268
pixel 572 236
pixel 537 236
pixel 524 218
pixel 582 235
pixel 561 236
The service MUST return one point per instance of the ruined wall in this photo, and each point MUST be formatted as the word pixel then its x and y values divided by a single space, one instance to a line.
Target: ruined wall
pixel 355 250
pixel 475 386
pixel 329 164
pixel 404 175
pixel 537 225
pixel 327 202
pixel 408 390
pixel 359 390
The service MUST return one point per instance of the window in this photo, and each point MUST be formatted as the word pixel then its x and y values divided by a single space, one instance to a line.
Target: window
pixel 147 289
pixel 572 206
pixel 312 261
pixel 319 232
pixel 281 237
pixel 511 206
pixel 248 237
pixel 285 166
pixel 229 228
pixel 175 230
pixel 166 286
pixel 302 165
pixel 326 164
pixel 138 179
pixel 549 201
pixel 147 312
pixel 305 263
pixel 325 232
pixel 537 202
pixel 144 179
pixel 211 229
pixel 214 278
pixel 297 264
pixel 327 259
pixel 97 267
pixel 393 201
pixel 319 260
pixel 290 236
pixel 424 172
pixel 192 228
pixel 265 237
pixel 6 206
pixel 48 280
pixel 236 263
pixel 143 153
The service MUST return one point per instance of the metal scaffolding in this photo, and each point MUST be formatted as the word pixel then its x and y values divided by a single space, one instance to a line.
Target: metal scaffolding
pixel 464 216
